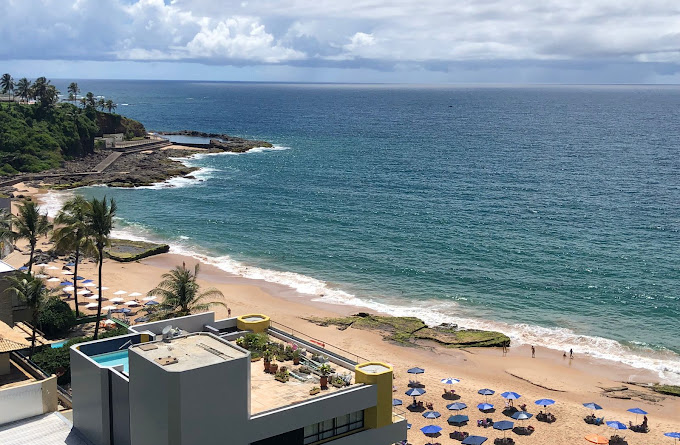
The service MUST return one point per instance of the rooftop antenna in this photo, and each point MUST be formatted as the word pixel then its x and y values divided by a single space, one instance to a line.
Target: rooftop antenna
pixel 167 333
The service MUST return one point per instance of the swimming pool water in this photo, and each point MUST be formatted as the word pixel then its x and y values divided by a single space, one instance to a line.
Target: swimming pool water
pixel 58 344
pixel 113 359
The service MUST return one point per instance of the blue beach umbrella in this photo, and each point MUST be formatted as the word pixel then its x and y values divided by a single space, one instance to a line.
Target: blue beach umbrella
pixel 431 429
pixel 431 414
pixel 510 395
pixel 457 406
pixel 23 268
pixel 70 264
pixel 88 281
pixel 450 381
pixel 78 278
pixel 413 392
pixel 474 440
pixel 544 402
pixel 65 283
pixel 674 435
pixel 458 420
pixel 151 303
pixel 522 415
pixel 125 310
pixel 141 319
pixel 396 402
pixel 416 371
pixel 503 425
pixel 486 392
pixel 485 406
pixel 637 411
pixel 408 426
pixel 592 405
pixel 616 425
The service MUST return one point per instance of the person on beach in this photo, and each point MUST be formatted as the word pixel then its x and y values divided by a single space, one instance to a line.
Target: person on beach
pixel 533 352
pixel 571 353
pixel 229 312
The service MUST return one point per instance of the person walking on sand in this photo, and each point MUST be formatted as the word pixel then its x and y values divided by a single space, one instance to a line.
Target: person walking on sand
pixel 229 312
pixel 533 352
pixel 571 353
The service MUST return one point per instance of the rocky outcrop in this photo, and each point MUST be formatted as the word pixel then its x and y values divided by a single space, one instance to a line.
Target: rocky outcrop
pixel 115 123
pixel 126 250
pixel 222 142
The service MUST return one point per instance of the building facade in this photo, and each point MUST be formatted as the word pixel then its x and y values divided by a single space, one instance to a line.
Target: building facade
pixel 185 381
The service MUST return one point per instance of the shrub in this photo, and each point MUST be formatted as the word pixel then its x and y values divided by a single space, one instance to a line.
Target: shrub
pixel 56 318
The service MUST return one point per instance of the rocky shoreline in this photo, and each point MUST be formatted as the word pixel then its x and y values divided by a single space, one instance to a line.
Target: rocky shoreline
pixel 137 168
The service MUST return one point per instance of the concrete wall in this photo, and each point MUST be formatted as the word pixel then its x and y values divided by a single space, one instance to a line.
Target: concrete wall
pixel 387 435
pixel 4 363
pixel 272 423
pixel 120 406
pixel 224 323
pixel 191 323
pixel 6 302
pixel 90 393
pixel 31 399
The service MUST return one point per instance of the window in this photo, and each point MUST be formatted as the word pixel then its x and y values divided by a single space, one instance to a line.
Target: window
pixel 334 427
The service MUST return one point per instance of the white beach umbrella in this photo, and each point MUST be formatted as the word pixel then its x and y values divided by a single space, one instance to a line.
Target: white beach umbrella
pixel 116 300
pixel 119 292
pixel 104 288
pixel 68 289
pixel 109 307
pixel 109 322
pixel 84 292
pixel 67 272
pixel 135 294
pixel 149 298
pixel 40 275
pixel 89 285
pixel 91 305
pixel 52 268
pixel 131 303
pixel 42 265
pixel 54 280
pixel 93 297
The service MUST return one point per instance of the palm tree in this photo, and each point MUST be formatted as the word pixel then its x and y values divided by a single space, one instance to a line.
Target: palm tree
pixel 33 292
pixel 110 105
pixel 83 102
pixel 7 84
pixel 30 225
pixel 99 220
pixel 6 233
pixel 90 100
pixel 24 88
pixel 180 293
pixel 73 235
pixel 39 87
pixel 73 92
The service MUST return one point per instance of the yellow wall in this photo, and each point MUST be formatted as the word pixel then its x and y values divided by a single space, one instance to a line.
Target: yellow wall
pixel 256 326
pixel 381 414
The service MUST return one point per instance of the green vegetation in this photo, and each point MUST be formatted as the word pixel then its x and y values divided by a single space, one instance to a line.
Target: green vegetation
pixel 56 318
pixel 33 293
pixel 58 360
pixel 126 250
pixel 99 214
pixel 670 390
pixel 410 330
pixel 30 224
pixel 181 294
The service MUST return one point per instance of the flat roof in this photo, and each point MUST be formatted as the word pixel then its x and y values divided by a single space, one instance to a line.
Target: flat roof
pixel 188 352
pixel 48 429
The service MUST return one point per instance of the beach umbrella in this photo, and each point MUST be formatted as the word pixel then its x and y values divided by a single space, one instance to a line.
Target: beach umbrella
pixel 40 275
pixel 637 411
pixel 131 303
pixel 65 283
pixel 509 395
pixel 522 415
pixel 84 292
pixel 109 307
pixel 70 264
pixel 416 371
pixel 450 381
pixel 503 425
pixel 431 429
pixel 68 289
pixel 457 406
pixel 413 392
pixel 91 305
pixel 592 405
pixel 109 322
pixel 78 278
pixel 486 392
pixel 117 300
pixel 544 402
pixel 23 268
pixel 616 425
pixel 149 298
pixel 119 292
pixel 93 297
pixel 597 439
pixel 67 272
pixel 86 284
pixel 396 402
pixel 104 288
pixel 52 268
pixel 408 426
pixel 53 280
pixel 431 414
pixel 136 294
pixel 674 435
pixel 141 319
pixel 153 303
pixel 457 420
pixel 485 406
pixel 88 281
pixel 125 310
pixel 42 265
pixel 474 440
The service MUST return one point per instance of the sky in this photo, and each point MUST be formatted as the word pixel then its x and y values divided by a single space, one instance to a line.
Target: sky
pixel 409 41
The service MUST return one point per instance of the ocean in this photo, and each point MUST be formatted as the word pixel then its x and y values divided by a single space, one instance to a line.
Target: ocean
pixel 551 213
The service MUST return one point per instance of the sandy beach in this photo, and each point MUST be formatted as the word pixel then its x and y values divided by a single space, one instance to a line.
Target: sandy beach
pixel 569 382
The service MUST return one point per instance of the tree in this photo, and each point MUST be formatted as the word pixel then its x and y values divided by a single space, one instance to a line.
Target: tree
pixel 24 88
pixel 83 102
pixel 101 104
pixel 99 219
pixel 73 90
pixel 181 293
pixel 6 233
pixel 7 84
pixel 29 224
pixel 73 234
pixel 39 87
pixel 31 291
pixel 90 100
pixel 110 105
pixel 56 318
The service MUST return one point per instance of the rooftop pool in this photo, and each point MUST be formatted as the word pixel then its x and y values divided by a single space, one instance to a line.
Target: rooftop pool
pixel 113 359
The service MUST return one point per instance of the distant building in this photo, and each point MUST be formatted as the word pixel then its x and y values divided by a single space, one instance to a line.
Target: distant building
pixel 185 381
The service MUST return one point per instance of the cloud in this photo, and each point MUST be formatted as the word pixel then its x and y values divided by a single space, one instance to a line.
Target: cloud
pixel 383 34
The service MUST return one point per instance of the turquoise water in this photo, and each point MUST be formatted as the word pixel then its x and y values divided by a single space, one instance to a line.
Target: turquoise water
pixel 58 344
pixel 111 359
pixel 550 213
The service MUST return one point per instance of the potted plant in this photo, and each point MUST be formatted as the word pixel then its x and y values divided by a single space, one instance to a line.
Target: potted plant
pixel 304 369
pixel 314 390
pixel 267 359
pixel 296 357
pixel 338 382
pixel 282 376
pixel 273 367
pixel 325 370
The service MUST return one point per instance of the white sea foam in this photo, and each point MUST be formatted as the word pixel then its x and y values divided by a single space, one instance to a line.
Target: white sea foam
pixel 665 364
pixel 51 202
pixel 264 149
